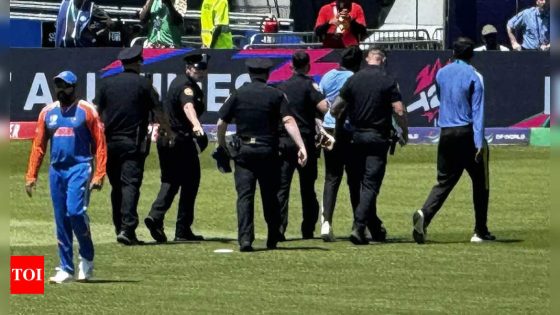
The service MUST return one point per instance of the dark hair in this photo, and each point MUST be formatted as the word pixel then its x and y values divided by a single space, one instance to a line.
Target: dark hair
pixel 351 58
pixel 377 50
pixel 341 4
pixel 300 59
pixel 463 48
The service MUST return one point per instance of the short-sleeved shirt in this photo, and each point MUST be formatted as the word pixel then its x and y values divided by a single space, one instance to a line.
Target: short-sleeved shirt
pixel 212 14
pixel 370 94
pixel 161 31
pixel 256 108
pixel 330 85
pixel 124 103
pixel 303 96
pixel 183 90
pixel 535 26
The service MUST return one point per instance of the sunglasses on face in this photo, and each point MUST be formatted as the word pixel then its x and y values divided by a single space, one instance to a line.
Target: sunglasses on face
pixel 59 84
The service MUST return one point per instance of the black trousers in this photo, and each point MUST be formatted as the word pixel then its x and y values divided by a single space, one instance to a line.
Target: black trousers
pixel 366 170
pixel 335 163
pixel 125 169
pixel 307 178
pixel 456 153
pixel 257 164
pixel 180 170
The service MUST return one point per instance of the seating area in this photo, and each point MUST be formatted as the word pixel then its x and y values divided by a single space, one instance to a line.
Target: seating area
pixel 244 25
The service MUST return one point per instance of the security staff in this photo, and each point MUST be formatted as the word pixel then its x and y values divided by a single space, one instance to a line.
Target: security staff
pixel 257 108
pixel 461 145
pixel 369 99
pixel 335 159
pixel 305 104
pixel 124 103
pixel 214 24
pixel 179 163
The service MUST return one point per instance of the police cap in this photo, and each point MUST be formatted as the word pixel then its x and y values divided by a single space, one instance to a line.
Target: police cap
pixel 258 65
pixel 200 142
pixel 197 60
pixel 131 54
pixel 351 57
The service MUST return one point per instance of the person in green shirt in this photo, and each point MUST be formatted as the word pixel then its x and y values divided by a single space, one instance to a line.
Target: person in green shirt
pixel 214 23
pixel 165 24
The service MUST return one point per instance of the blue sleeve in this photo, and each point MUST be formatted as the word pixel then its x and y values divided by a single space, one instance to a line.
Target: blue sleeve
pixel 478 110
pixel 517 21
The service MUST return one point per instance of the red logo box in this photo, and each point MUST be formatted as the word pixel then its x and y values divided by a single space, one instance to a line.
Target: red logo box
pixel 27 274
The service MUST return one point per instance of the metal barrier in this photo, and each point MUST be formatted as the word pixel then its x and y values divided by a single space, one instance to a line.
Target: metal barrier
pixel 192 41
pixel 397 35
pixel 405 45
pixel 438 34
pixel 286 46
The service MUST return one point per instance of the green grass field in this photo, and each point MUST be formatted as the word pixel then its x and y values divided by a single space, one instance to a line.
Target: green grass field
pixel 448 275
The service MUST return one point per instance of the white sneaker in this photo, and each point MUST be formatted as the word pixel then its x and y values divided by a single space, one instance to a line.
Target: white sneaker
pixel 481 238
pixel 418 227
pixel 85 271
pixel 327 232
pixel 61 276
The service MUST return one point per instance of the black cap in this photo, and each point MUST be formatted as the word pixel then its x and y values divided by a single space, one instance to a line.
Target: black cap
pixel 222 160
pixel 201 142
pixel 258 65
pixel 131 54
pixel 351 57
pixel 198 61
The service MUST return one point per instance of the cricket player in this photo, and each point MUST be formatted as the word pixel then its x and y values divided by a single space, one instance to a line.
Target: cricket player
pixel 76 135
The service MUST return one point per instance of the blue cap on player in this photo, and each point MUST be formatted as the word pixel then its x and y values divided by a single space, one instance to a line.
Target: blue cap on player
pixel 68 77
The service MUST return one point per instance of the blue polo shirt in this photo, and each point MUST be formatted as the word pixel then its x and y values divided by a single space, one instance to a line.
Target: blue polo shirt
pixel 461 95
pixel 535 26
pixel 330 86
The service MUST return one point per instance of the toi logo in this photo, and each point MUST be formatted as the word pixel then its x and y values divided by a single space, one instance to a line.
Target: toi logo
pixel 27 275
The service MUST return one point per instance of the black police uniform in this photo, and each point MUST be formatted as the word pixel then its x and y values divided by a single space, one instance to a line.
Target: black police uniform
pixel 256 108
pixel 179 163
pixel 369 95
pixel 303 98
pixel 124 103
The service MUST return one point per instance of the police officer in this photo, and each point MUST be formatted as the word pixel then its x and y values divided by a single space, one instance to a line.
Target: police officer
pixel 124 103
pixel 257 108
pixel 461 145
pixel 369 99
pixel 179 163
pixel 306 103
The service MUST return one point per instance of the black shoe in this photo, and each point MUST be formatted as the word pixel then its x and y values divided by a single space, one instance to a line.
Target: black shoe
pixel 419 227
pixel 246 247
pixel 378 234
pixel 188 237
pixel 358 238
pixel 128 240
pixel 281 237
pixel 156 229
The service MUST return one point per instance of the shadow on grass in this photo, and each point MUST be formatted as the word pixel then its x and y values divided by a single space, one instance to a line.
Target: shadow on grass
pixel 101 281
pixel 498 241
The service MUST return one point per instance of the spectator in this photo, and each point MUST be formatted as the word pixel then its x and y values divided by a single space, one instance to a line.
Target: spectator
pixel 81 23
pixel 341 24
pixel 214 24
pixel 165 23
pixel 534 23
pixel 490 39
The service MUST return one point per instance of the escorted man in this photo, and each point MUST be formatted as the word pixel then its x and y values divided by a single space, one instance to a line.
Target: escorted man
pixel 179 163
pixel 77 141
pixel 256 109
pixel 335 159
pixel 534 23
pixel 124 102
pixel 368 100
pixel 462 145
pixel 305 103
pixel 214 24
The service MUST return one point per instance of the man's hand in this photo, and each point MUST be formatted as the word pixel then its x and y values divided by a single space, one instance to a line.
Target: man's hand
pixel 478 156
pixel 167 2
pixel 334 21
pixel 97 185
pixel 302 156
pixel 516 46
pixel 198 131
pixel 545 47
pixel 29 187
pixel 404 138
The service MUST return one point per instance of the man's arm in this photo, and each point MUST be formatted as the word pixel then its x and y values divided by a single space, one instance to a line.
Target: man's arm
pixel 400 115
pixel 99 147
pixel 190 112
pixel 358 25
pixel 38 149
pixel 222 128
pixel 338 107
pixel 221 21
pixel 478 111
pixel 293 130
pixel 513 24
pixel 175 17
pixel 144 14
pixel 324 21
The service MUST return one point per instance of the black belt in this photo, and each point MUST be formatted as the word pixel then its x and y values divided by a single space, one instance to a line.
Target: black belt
pixel 256 140
pixel 466 128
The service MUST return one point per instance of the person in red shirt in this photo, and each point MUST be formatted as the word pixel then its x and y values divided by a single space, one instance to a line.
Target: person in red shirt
pixel 341 24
